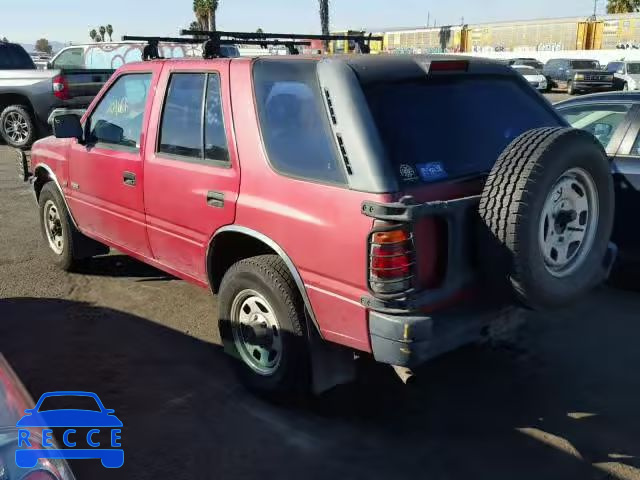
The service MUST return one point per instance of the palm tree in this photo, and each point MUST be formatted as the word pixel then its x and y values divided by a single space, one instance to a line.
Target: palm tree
pixel 93 34
pixel 213 8
pixel 623 6
pixel 110 32
pixel 324 20
pixel 201 13
pixel 103 31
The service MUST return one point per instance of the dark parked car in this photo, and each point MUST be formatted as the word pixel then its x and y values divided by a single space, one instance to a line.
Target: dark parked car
pixel 577 75
pixel 14 400
pixel 614 119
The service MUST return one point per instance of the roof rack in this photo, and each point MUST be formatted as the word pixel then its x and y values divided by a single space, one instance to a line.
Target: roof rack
pixel 211 47
pixel 363 42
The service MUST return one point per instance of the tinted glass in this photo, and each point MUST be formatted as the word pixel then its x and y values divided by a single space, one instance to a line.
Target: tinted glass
pixel 459 124
pixel 585 65
pixel 215 136
pixel 600 120
pixel 118 117
pixel 181 127
pixel 633 68
pixel 294 122
pixel 72 58
pixel 14 57
pixel 613 67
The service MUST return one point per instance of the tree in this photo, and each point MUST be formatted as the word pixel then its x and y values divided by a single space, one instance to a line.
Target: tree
pixel 93 34
pixel 623 6
pixel 205 11
pixel 98 38
pixel 110 32
pixel 259 30
pixel 103 31
pixel 42 45
pixel 324 20
pixel 5 39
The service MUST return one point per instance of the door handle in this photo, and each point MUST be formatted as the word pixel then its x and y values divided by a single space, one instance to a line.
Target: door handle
pixel 215 199
pixel 129 178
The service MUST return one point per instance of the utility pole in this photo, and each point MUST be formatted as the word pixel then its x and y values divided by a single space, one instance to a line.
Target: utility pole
pixel 595 9
pixel 428 18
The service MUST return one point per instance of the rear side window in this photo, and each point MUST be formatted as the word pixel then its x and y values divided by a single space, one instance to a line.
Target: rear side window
pixel 188 129
pixel 295 127
pixel 181 128
pixel 70 58
pixel 14 57
pixel 453 126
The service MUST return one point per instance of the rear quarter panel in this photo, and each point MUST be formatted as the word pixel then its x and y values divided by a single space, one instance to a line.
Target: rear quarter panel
pixel 320 227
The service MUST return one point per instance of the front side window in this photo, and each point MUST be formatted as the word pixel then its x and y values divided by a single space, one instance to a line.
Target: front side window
pixel 294 123
pixel 71 58
pixel 601 120
pixel 118 118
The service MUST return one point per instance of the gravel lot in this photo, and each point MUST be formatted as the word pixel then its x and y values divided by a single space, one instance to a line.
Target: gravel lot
pixel 561 402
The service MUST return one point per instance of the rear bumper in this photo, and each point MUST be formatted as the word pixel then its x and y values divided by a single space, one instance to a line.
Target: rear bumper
pixel 409 340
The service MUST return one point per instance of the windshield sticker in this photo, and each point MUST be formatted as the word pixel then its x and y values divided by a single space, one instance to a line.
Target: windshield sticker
pixel 432 171
pixel 408 173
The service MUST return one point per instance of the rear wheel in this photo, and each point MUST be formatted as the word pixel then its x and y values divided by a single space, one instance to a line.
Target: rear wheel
pixel 262 319
pixel 547 211
pixel 17 126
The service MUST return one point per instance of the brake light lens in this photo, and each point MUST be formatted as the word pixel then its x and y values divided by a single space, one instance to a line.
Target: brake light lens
pixel 61 87
pixel 391 261
pixel 449 66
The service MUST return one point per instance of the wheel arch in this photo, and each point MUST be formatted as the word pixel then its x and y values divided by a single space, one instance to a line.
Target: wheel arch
pixel 14 98
pixel 43 174
pixel 233 243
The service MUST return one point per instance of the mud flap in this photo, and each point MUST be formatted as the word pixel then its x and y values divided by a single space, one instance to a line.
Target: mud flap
pixel 331 364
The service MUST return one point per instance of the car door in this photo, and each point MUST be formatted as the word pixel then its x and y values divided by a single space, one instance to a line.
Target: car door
pixel 106 171
pixel 191 170
pixel 626 177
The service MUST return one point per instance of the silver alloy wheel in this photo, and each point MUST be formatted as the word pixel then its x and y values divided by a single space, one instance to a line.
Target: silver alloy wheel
pixel 16 127
pixel 53 227
pixel 569 222
pixel 256 332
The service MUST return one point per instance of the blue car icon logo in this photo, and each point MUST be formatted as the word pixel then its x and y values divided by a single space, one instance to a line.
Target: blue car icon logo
pixel 97 420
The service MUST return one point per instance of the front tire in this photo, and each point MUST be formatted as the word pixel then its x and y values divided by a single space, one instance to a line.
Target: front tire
pixel 262 325
pixel 17 126
pixel 570 90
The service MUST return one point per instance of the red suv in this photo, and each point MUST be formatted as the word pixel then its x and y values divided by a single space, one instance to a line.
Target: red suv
pixel 389 205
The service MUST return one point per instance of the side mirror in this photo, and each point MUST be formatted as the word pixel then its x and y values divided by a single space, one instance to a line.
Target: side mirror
pixel 67 126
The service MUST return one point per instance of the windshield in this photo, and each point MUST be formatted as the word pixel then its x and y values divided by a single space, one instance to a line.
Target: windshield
pixel 633 68
pixel 14 57
pixel 585 65
pixel 461 124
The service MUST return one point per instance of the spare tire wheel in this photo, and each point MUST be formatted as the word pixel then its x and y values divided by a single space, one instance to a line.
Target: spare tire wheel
pixel 546 214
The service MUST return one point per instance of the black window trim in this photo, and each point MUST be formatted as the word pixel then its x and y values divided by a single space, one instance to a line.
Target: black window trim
pixel 202 160
pixel 115 146
pixel 338 157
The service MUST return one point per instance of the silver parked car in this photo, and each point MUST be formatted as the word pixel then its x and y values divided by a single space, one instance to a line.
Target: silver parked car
pixel 535 78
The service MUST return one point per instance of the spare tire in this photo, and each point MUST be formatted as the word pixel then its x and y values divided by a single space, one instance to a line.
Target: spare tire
pixel 546 216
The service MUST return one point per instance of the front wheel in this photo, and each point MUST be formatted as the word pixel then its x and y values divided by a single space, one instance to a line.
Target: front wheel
pixel 625 87
pixel 262 325
pixel 570 89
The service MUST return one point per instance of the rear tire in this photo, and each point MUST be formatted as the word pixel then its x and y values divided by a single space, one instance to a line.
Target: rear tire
pixel 547 216
pixel 17 126
pixel 262 325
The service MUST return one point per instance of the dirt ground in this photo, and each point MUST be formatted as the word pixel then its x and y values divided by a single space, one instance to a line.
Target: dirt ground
pixel 561 402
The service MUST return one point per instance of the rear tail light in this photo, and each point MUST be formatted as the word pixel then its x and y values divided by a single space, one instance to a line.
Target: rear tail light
pixel 61 87
pixel 391 261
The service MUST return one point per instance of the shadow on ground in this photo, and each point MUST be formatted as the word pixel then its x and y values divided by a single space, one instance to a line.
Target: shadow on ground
pixel 548 409
pixel 118 265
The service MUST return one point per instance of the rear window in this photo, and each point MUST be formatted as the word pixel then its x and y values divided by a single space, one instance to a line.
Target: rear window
pixel 294 123
pixel 14 57
pixel 448 127
pixel 585 65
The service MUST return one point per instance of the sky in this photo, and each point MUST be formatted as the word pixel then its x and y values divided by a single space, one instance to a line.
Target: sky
pixel 25 21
